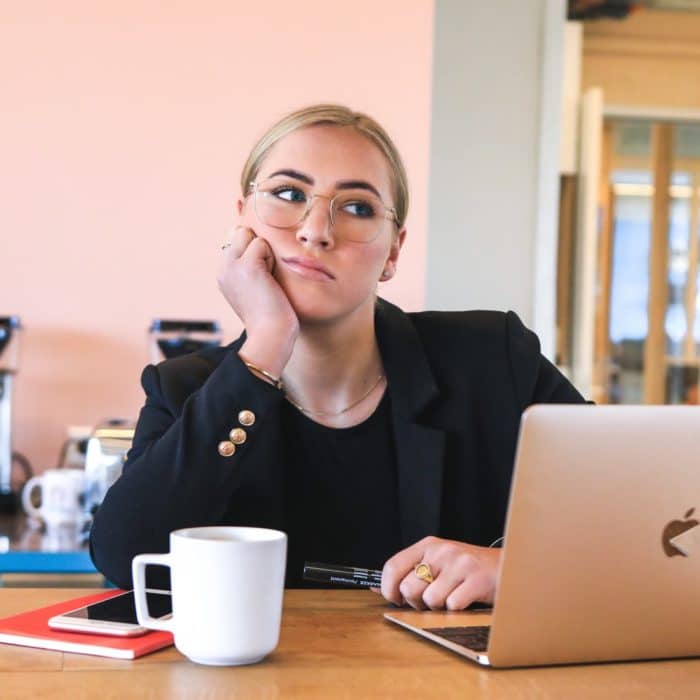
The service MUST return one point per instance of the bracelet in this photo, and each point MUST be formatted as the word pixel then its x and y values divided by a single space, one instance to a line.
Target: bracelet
pixel 276 381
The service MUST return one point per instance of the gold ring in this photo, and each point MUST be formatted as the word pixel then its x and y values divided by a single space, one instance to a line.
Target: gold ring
pixel 228 243
pixel 423 572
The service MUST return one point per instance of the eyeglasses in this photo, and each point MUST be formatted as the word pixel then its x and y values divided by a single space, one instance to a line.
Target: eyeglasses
pixel 356 215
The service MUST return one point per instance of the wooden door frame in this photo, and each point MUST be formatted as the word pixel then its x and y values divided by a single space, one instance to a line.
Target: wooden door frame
pixel 655 344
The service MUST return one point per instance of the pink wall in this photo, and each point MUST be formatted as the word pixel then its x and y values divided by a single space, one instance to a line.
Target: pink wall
pixel 124 127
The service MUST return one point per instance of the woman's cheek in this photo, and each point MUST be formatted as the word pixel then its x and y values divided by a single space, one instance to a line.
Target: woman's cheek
pixel 249 218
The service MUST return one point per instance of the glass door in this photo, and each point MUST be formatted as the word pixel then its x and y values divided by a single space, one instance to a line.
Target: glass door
pixel 647 346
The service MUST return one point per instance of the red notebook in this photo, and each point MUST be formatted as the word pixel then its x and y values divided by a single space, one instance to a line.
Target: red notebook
pixel 31 629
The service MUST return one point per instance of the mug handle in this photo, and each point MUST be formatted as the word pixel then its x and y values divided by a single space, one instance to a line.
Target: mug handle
pixel 27 504
pixel 138 573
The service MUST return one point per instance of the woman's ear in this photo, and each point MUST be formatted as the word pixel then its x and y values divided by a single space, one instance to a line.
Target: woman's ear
pixel 239 206
pixel 391 262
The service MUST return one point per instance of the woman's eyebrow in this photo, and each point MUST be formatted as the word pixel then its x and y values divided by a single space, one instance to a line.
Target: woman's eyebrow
pixel 295 174
pixel 340 185
pixel 357 185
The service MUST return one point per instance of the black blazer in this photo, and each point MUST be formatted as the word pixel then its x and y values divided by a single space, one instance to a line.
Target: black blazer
pixel 459 382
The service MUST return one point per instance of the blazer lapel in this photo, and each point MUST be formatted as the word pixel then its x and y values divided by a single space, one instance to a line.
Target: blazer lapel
pixel 419 448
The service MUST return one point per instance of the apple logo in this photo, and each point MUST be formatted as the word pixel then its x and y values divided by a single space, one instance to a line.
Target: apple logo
pixel 673 529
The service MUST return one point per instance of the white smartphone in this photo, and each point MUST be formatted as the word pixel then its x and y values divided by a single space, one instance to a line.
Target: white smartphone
pixel 114 616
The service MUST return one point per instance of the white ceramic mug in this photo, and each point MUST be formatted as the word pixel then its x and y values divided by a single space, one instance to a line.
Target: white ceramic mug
pixel 227 588
pixel 62 497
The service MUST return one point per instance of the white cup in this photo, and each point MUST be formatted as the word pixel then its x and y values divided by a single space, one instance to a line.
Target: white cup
pixel 227 587
pixel 62 497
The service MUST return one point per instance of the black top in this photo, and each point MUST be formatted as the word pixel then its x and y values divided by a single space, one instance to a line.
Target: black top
pixel 459 383
pixel 342 505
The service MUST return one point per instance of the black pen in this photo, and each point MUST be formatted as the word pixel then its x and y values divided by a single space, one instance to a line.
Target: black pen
pixel 342 575
pixel 356 576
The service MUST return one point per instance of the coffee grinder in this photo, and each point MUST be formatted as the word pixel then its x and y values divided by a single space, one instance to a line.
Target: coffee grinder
pixel 175 337
pixel 10 329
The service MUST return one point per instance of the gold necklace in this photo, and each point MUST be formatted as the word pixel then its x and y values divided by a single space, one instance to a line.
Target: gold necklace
pixel 333 413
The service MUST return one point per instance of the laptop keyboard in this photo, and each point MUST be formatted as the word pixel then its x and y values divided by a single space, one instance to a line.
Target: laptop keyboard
pixel 474 638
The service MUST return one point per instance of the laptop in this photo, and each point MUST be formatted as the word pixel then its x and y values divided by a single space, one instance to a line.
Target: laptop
pixel 601 558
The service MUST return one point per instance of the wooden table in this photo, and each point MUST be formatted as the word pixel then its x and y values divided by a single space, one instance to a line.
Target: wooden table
pixel 334 644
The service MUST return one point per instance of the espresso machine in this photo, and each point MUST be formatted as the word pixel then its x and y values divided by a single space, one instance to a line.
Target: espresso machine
pixel 10 329
pixel 111 439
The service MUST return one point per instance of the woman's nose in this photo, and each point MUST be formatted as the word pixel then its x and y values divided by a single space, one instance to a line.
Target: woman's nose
pixel 316 227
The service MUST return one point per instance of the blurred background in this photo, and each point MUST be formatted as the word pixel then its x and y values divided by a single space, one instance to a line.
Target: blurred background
pixel 553 151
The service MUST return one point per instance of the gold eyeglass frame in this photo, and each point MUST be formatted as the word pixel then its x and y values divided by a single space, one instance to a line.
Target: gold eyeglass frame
pixel 389 212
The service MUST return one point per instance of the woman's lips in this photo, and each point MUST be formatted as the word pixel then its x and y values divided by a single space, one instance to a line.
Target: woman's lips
pixel 308 268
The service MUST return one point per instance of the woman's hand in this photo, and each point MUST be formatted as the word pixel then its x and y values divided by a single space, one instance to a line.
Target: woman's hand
pixel 462 574
pixel 245 279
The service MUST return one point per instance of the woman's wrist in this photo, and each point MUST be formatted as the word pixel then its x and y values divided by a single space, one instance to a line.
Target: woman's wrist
pixel 269 352
pixel 264 360
pixel 263 374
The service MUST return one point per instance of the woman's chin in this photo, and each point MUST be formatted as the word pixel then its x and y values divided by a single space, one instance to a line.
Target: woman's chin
pixel 315 314
pixel 320 306
pixel 312 306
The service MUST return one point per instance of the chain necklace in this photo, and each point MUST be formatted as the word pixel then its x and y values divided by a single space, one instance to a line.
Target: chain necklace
pixel 335 413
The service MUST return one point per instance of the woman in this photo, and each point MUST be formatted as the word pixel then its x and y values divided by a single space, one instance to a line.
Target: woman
pixel 373 437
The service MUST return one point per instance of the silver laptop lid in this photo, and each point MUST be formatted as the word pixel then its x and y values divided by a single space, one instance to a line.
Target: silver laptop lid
pixel 602 546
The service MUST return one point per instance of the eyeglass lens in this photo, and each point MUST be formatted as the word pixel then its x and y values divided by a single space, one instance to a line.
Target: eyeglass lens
pixel 356 215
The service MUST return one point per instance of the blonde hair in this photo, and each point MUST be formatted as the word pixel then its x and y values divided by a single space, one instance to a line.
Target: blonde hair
pixel 333 115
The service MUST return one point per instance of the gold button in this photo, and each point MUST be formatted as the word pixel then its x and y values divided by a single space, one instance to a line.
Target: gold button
pixel 237 436
pixel 246 418
pixel 226 448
